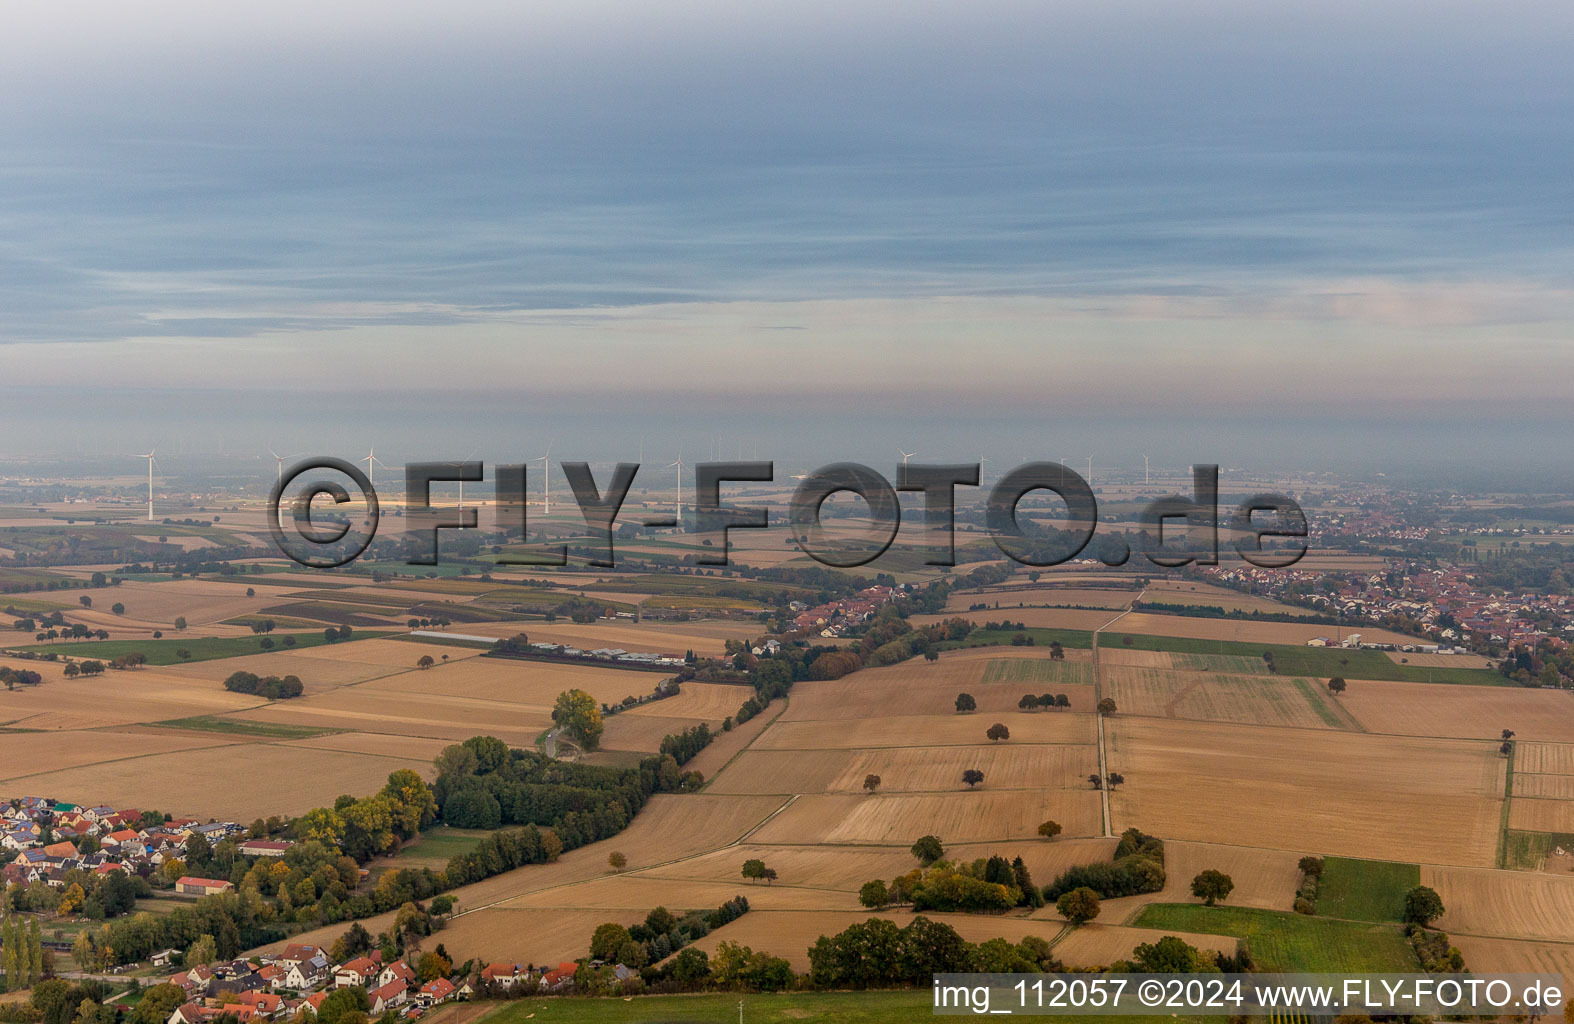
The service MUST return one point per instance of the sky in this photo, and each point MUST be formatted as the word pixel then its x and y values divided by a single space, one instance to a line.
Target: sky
pixel 1326 234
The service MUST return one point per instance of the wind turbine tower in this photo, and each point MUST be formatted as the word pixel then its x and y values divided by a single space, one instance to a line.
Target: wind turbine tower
pixel 149 457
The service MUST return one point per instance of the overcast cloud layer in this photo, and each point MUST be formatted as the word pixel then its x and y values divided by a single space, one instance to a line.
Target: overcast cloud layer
pixel 1139 203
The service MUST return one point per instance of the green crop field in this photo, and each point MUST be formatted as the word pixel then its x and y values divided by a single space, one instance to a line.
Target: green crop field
pixel 241 727
pixel 162 652
pixel 1365 890
pixel 1037 670
pixel 443 843
pixel 1286 942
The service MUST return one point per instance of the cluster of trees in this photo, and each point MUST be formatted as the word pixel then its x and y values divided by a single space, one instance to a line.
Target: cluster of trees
pixel 56 1001
pixel 22 958
pixel 879 954
pixel 14 677
pixel 684 745
pixel 985 885
pixel 1043 700
pixel 1138 867
pixel 1311 883
pixel 661 934
pixel 754 870
pixel 271 687
pixel 481 783
pixel 577 713
pixel 1173 955
pixel 96 897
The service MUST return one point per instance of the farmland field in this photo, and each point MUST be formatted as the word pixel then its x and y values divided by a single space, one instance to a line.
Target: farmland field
pixel 1216 697
pixel 1511 904
pixel 1282 941
pixel 1428 801
pixel 1365 890
pixel 1428 709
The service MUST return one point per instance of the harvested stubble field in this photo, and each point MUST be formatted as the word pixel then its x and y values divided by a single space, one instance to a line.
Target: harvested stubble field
pixel 1035 618
pixel 1008 598
pixel 27 754
pixel 645 732
pixel 531 936
pixel 1544 787
pixel 519 681
pixel 961 817
pixel 1175 592
pixel 699 702
pixel 149 606
pixel 909 769
pixel 1476 712
pixel 400 713
pixel 239 781
pixel 925 730
pixel 1509 904
pixel 1036 671
pixel 1543 758
pixel 728 745
pixel 625 892
pixel 1217 697
pixel 668 638
pixel 316 674
pixel 1348 794
pixel 1530 815
pixel 789 933
pixel 114 698
pixel 921 688
pixel 1099 945
pixel 1515 955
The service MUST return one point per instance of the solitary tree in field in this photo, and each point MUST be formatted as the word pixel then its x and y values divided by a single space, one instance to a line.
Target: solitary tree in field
pixel 965 703
pixel 874 894
pixel 1028 702
pixel 1079 906
pixel 1336 685
pixel 1115 779
pixel 754 869
pixel 1506 748
pixel 1211 886
pixel 425 661
pixel 1056 652
pixel 180 622
pixel 1107 706
pixel 769 875
pixel 118 608
pixel 86 602
pixel 972 777
pixel 1423 905
pixel 617 861
pixel 998 732
pixel 928 850
pixel 1508 734
pixel 1049 829
pixel 1096 780
pixel 871 783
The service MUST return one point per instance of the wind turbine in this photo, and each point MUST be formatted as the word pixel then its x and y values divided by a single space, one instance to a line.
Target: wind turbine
pixel 1144 471
pixel 546 479
pixel 371 461
pixel 1090 471
pixel 149 457
pixel 679 464
pixel 462 481
pixel 280 459
pixel 905 455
